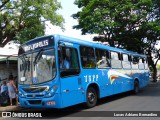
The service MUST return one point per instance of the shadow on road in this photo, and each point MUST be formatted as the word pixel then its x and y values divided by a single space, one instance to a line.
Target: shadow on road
pixel 151 90
pixel 80 110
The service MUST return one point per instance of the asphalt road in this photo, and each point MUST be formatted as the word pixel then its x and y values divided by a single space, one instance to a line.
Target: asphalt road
pixel 147 101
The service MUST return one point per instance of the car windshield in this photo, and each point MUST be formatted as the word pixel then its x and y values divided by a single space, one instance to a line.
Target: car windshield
pixel 36 67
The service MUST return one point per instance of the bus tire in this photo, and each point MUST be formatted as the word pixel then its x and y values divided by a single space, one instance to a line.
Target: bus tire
pixel 136 87
pixel 91 97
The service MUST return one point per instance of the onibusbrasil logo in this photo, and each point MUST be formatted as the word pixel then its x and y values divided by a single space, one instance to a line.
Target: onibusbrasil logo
pixel 21 114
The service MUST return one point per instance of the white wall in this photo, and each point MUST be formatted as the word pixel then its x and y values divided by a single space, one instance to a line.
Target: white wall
pixel 5 72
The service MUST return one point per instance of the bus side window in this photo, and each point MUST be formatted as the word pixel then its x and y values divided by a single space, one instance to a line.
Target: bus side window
pixel 87 57
pixel 145 63
pixel 69 63
pixel 135 62
pixel 126 61
pixel 115 60
pixel 141 64
pixel 102 58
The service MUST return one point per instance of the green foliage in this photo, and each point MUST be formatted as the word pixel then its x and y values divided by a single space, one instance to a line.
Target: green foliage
pixel 123 21
pixel 158 67
pixel 25 19
pixel 133 24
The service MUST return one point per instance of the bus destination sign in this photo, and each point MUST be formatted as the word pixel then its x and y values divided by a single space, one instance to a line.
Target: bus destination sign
pixel 36 45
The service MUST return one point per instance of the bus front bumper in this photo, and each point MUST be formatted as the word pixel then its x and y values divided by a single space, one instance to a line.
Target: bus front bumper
pixel 50 102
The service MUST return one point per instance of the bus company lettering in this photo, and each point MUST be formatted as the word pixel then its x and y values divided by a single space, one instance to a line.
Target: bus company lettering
pixel 91 78
pixel 36 45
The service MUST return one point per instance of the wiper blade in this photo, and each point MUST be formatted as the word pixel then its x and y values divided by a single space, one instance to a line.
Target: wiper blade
pixel 38 56
pixel 24 64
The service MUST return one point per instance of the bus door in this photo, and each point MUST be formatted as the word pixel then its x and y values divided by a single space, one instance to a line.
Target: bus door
pixel 71 85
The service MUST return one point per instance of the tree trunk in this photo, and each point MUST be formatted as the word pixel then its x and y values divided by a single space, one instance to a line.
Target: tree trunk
pixel 153 66
pixel 154 74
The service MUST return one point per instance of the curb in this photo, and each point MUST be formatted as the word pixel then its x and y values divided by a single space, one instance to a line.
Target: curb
pixel 9 108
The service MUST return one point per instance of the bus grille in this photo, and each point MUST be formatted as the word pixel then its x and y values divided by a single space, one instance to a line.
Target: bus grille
pixel 34 89
pixel 34 102
pixel 35 96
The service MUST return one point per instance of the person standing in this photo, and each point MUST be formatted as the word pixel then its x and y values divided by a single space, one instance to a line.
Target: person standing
pixel 4 87
pixel 12 90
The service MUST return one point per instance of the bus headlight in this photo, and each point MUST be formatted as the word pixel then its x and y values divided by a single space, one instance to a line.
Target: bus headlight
pixel 50 93
pixel 20 94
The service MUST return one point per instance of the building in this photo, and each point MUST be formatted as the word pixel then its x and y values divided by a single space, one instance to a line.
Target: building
pixel 8 60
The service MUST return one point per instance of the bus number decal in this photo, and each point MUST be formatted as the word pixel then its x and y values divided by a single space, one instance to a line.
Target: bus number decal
pixel 91 78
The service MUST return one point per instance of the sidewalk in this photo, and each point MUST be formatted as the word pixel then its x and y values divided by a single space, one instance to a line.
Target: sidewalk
pixel 151 82
pixel 9 108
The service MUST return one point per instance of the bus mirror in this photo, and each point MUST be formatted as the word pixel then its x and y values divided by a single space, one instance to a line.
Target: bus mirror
pixel 61 44
pixel 23 79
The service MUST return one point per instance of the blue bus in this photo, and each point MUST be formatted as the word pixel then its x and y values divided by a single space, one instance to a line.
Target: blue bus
pixel 57 71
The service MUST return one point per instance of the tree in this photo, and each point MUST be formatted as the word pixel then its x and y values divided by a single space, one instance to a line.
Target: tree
pixel 133 24
pixel 158 67
pixel 3 3
pixel 112 19
pixel 151 31
pixel 25 19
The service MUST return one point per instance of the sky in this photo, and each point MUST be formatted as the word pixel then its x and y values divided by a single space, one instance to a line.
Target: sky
pixel 68 8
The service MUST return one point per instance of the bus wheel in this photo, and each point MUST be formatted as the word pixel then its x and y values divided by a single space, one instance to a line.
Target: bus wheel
pixel 136 87
pixel 91 97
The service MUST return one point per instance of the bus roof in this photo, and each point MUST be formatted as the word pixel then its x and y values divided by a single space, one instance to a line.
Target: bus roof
pixel 97 45
pixel 87 43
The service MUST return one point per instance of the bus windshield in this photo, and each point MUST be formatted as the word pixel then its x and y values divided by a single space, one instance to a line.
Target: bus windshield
pixel 37 67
